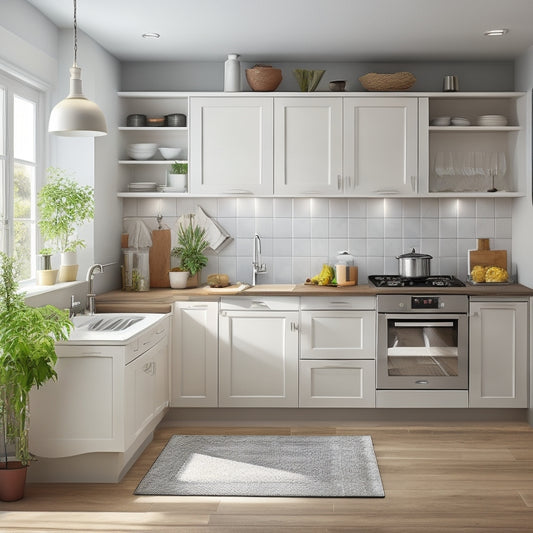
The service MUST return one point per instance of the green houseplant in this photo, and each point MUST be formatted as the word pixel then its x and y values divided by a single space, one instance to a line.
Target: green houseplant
pixel 27 359
pixel 64 206
pixel 192 243
pixel 177 176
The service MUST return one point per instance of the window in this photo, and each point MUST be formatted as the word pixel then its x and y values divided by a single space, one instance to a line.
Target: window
pixel 20 165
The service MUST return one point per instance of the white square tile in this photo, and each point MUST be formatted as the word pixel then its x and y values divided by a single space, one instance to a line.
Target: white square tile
pixel 447 207
pixel 282 208
pixel 243 270
pixel 319 228
pixel 411 207
pixel 168 207
pixel 301 228
pixel 374 266
pixel 390 266
pixel 393 247
pixel 301 207
pixel 429 228
pixel 357 228
pixel 375 207
pixel 319 207
pixel 357 247
pixel 466 228
pixel 229 224
pixel 230 250
pixel 319 247
pixel 375 229
pixel 448 266
pixel 301 247
pixel 448 228
pixel 129 207
pixel 448 248
pixel 503 207
pixel 244 248
pixel 338 228
pixel 410 243
pixel 149 207
pixel 430 247
pixel 411 228
pixel 264 227
pixel 464 246
pixel 315 264
pixel 245 228
pixel 374 247
pixel 392 228
pixel 227 207
pixel 228 265
pixel 281 248
pixel 301 269
pixel 503 228
pixel 484 228
pixel 392 208
pixel 282 228
pixel 338 207
pixel 357 208
pixel 466 207
pixel 264 207
pixel 429 208
pixel 336 246
pixel 245 207
pixel 485 208
pixel 282 267
pixel 209 205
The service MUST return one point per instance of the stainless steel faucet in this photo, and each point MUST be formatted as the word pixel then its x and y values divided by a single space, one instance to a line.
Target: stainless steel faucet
pixel 257 266
pixel 94 269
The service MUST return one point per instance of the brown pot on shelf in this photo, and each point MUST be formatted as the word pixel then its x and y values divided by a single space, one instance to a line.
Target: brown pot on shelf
pixel 12 481
pixel 263 78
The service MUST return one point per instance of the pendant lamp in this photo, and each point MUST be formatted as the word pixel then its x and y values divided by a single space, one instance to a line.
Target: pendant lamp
pixel 75 116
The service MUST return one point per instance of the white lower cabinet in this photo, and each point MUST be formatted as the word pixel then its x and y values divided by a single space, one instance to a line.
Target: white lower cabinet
pixel 337 383
pixel 258 353
pixel 498 353
pixel 195 355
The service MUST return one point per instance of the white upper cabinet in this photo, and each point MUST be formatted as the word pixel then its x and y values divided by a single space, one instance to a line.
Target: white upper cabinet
pixel 231 145
pixel 308 146
pixel 381 146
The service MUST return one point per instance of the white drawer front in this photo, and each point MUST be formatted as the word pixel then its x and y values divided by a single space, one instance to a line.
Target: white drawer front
pixel 260 303
pixel 338 302
pixel 337 384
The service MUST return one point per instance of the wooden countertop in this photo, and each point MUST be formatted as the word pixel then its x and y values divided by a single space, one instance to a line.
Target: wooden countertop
pixel 160 300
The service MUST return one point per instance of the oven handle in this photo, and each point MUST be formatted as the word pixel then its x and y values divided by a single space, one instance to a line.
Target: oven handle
pixel 423 324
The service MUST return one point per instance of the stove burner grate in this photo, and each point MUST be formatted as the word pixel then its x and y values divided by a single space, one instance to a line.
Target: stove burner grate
pixel 429 281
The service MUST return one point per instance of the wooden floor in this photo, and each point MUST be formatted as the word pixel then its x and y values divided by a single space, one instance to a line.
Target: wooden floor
pixel 436 477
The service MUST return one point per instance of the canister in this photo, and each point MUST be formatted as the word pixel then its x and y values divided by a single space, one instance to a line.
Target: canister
pixel 345 269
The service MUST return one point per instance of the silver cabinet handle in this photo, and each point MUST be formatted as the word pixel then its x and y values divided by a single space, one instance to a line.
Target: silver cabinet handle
pixel 294 326
pixel 237 191
pixel 339 182
pixel 387 191
pixel 414 184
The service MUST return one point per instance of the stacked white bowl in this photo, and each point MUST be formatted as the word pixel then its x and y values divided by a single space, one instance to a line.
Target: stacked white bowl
pixel 141 151
pixel 169 152
pixel 492 120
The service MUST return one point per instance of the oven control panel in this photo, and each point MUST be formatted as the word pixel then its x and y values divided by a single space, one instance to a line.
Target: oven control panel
pixel 425 302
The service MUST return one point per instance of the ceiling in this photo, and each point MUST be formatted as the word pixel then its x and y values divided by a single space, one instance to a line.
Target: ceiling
pixel 303 30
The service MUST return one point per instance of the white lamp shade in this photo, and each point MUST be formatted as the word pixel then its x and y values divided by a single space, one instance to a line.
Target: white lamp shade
pixel 75 116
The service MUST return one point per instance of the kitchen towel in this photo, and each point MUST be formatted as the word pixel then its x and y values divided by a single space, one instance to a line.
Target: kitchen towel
pixel 265 465
pixel 216 235
pixel 139 235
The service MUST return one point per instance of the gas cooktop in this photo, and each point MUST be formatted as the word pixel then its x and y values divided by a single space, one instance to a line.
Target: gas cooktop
pixel 429 281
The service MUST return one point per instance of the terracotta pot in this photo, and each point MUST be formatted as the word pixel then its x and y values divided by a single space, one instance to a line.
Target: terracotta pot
pixel 12 481
pixel 263 78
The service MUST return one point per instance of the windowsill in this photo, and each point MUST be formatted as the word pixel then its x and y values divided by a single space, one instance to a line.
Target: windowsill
pixel 34 289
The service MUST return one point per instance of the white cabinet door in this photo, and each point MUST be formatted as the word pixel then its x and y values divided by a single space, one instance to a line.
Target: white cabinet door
pixel 195 355
pixel 308 146
pixel 338 335
pixel 258 359
pixel 231 145
pixel 337 383
pixel 381 145
pixel 498 354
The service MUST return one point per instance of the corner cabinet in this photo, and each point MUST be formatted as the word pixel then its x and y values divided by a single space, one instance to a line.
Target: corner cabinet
pixel 498 353
pixel 231 145
pixel 258 352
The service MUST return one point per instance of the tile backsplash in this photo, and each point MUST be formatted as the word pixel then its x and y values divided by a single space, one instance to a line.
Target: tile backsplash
pixel 300 234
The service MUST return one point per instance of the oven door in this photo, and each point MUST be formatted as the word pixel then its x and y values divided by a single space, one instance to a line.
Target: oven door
pixel 422 351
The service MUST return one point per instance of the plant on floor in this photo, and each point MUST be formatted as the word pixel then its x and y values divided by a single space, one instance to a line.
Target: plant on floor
pixel 27 358
pixel 64 206
pixel 192 243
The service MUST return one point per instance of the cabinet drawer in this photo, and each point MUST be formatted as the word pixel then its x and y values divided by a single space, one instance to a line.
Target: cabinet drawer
pixel 146 340
pixel 337 384
pixel 260 303
pixel 338 302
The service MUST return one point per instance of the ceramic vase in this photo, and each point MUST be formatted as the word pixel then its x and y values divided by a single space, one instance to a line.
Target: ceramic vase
pixel 232 74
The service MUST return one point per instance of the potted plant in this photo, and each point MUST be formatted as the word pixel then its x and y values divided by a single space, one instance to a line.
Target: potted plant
pixel 64 205
pixel 27 359
pixel 192 243
pixel 46 275
pixel 177 177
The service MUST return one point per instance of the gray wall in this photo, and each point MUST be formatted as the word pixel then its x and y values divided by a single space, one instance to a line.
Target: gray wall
pixel 209 76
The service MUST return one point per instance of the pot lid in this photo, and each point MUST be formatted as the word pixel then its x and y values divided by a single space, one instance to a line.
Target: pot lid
pixel 413 255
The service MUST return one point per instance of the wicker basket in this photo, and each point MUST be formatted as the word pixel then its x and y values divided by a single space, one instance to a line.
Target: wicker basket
pixel 400 81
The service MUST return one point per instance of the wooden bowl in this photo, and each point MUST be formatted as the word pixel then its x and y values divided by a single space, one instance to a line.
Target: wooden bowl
pixel 263 78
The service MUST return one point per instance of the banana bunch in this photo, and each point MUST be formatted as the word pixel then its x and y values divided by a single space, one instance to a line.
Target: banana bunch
pixel 325 277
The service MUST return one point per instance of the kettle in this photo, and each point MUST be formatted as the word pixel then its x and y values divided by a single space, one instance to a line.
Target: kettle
pixel 345 269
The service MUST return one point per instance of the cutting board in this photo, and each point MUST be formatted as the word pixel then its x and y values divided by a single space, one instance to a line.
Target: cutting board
pixel 160 258
pixel 230 289
pixel 484 256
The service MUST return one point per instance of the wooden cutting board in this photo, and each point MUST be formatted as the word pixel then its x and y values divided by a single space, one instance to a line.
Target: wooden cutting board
pixel 483 256
pixel 160 258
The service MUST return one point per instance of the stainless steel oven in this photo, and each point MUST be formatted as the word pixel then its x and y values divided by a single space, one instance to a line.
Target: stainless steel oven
pixel 422 341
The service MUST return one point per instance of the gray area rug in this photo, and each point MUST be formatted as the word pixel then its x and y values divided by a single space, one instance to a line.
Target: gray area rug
pixel 258 465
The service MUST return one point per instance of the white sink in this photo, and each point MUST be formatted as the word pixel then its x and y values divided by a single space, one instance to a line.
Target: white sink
pixel 109 328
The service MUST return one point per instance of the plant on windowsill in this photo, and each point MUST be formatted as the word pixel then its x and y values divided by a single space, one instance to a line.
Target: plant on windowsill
pixel 64 205
pixel 27 360
pixel 192 243
pixel 46 275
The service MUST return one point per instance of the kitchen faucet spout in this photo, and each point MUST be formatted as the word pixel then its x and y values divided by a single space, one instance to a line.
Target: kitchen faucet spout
pixel 94 269
pixel 257 266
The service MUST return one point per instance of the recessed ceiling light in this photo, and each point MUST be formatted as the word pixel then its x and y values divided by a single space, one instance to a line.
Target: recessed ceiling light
pixel 496 33
pixel 151 35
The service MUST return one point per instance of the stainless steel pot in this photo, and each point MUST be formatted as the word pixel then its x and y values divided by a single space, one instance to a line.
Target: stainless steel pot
pixel 414 265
